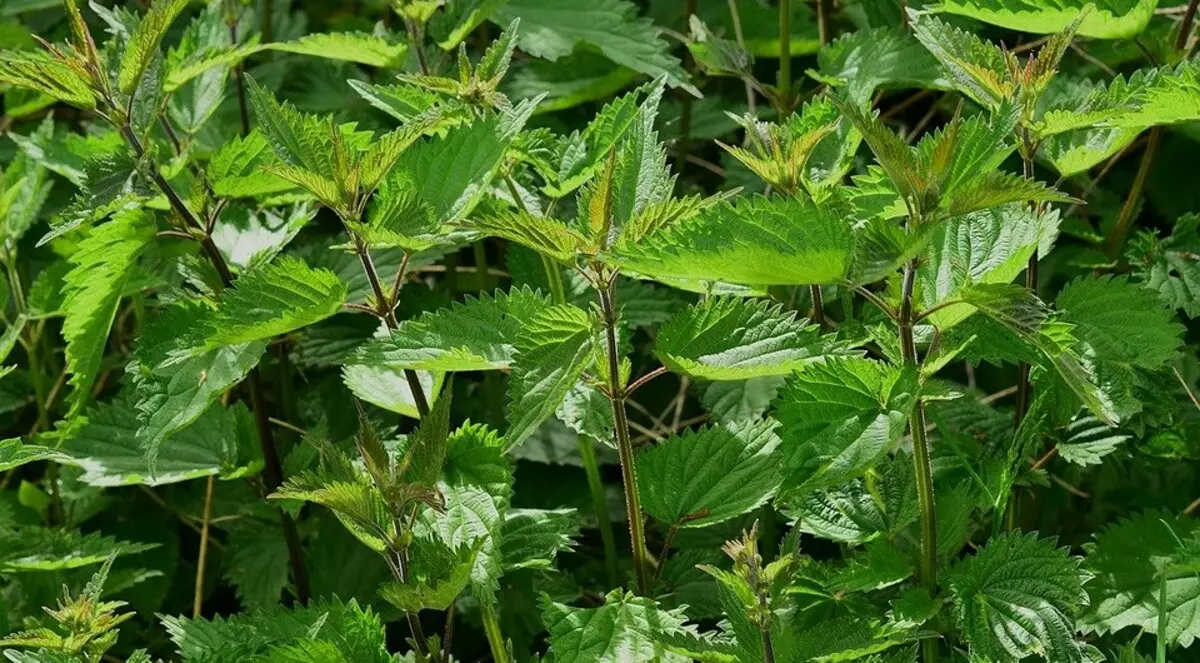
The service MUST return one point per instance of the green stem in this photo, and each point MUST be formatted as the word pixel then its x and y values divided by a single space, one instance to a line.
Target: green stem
pixel 587 453
pixel 481 264
pixel 921 461
pixel 633 501
pixel 554 276
pixel 491 627
pixel 784 84
pixel 1125 219
pixel 1160 646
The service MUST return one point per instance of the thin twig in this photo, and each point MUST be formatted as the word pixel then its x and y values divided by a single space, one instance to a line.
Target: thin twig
pixel 202 560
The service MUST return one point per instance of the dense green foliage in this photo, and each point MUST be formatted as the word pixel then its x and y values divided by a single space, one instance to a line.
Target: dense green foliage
pixel 599 331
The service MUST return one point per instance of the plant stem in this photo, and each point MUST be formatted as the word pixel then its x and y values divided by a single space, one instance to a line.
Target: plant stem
pixel 491 627
pixel 1031 281
pixel 767 647
pixel 202 559
pixel 239 75
pixel 272 468
pixel 921 461
pixel 268 23
pixel 633 502
pixel 1185 26
pixel 481 264
pixel 400 571
pixel 784 83
pixel 386 310
pixel 554 277
pixel 1125 220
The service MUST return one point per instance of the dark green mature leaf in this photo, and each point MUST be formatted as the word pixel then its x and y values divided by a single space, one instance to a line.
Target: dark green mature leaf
pixel 1131 559
pixel 13 454
pixel 1087 440
pixel 478 334
pixel 623 629
pixel 1014 598
pixel 1171 266
pixel 236 170
pixel 272 300
pixel 532 538
pixel 753 241
pixel 1119 322
pixel 731 338
pixel 258 564
pixel 552 29
pixel 881 57
pixel 355 632
pixel 102 265
pixel 710 475
pixel 107 447
pixel 838 418
pixel 174 385
pixel 437 575
pixel 550 359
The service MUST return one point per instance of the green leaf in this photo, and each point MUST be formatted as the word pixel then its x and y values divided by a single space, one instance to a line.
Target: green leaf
pixel 753 241
pixel 25 549
pixel 143 43
pixel 547 236
pixel 250 238
pixel 1130 559
pixel 1170 266
pixel 360 47
pixel 44 73
pixel 355 632
pixel 532 538
pixel 13 454
pixel 623 629
pixel 730 338
pixel 710 475
pixel 101 266
pixel 476 335
pixel 977 67
pixel 222 442
pixel 1119 322
pixel 738 400
pixel 550 359
pixel 437 575
pixel 1120 19
pixel 862 510
pixel 237 169
pixel 882 57
pixel 838 418
pixel 176 386
pixel 477 486
pixel 990 246
pixel 270 301
pixel 552 29
pixel 1014 598
pixel 298 139
pixel 1087 440
pixel 257 564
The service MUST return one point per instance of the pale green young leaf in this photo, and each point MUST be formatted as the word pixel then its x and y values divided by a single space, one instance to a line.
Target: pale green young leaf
pixel 753 241
pixel 839 417
pixel 101 266
pixel 1015 597
pixel 1087 440
pixel 625 628
pixel 732 338
pixel 355 632
pixel 977 67
pixel 779 153
pixel 532 538
pixel 437 575
pixel 369 49
pixel 272 300
pixel 250 238
pixel 999 188
pixel 26 188
pixel 237 169
pixel 545 235
pixel 31 548
pixel 989 246
pixel 44 73
pixel 1129 560
pixel 710 475
pixel 356 502
pixel 552 29
pixel 1120 19
pixel 478 334
pixel 143 43
pixel 551 356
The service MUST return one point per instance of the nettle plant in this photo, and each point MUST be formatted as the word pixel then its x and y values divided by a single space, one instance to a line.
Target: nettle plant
pixel 837 397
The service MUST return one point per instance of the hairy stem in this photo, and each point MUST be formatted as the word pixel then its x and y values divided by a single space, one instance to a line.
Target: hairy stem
pixel 633 501
pixel 202 559
pixel 272 469
pixel 400 571
pixel 491 627
pixel 921 453
pixel 386 310
pixel 1031 281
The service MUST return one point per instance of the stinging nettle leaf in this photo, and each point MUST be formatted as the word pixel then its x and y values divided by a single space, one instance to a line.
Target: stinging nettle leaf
pixel 710 475
pixel 731 338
